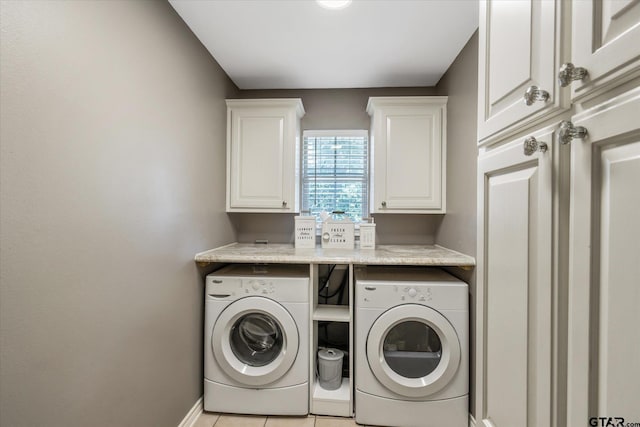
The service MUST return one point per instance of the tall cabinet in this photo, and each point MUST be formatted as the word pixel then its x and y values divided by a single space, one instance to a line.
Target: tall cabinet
pixel 604 265
pixel 558 169
pixel 517 284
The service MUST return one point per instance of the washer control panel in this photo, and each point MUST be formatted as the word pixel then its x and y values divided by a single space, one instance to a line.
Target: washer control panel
pixel 257 287
pixel 277 282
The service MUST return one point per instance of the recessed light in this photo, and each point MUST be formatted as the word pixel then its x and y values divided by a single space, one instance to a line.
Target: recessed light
pixel 334 4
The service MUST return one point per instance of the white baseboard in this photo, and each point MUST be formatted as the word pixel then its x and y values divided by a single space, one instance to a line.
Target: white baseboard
pixel 193 414
pixel 472 421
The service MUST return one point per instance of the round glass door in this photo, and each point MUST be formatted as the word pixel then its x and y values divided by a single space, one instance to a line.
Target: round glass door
pixel 413 350
pixel 255 341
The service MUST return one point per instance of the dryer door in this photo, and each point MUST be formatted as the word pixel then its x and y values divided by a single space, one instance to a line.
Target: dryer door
pixel 255 341
pixel 413 350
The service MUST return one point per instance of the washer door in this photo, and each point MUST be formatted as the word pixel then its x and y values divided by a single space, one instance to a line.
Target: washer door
pixel 255 341
pixel 413 350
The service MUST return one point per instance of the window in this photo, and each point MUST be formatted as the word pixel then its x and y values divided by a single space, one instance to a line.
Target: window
pixel 335 166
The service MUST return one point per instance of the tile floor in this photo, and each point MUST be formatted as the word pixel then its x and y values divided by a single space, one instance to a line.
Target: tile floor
pixel 226 420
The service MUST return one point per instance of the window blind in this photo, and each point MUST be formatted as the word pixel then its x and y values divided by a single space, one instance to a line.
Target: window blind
pixel 335 168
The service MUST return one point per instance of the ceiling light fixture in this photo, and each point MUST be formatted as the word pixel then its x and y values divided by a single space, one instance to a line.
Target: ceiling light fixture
pixel 334 4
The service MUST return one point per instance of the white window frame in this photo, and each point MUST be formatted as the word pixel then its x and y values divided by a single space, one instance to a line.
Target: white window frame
pixel 338 133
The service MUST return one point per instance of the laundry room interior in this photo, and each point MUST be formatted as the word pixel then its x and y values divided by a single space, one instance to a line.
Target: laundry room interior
pixel 288 213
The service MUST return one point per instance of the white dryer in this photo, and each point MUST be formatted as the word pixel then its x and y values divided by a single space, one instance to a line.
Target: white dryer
pixel 256 352
pixel 411 348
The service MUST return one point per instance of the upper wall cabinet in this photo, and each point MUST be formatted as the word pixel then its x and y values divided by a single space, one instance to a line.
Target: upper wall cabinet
pixel 408 140
pixel 263 140
pixel 520 51
pixel 605 43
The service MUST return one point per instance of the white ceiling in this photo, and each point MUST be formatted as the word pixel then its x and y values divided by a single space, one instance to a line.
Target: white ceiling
pixel 295 44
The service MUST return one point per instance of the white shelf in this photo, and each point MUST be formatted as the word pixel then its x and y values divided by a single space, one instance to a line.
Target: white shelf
pixel 332 402
pixel 332 313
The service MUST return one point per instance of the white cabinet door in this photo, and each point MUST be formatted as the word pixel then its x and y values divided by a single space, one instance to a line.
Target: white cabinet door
pixel 604 275
pixel 519 47
pixel 409 144
pixel 262 155
pixel 606 42
pixel 515 285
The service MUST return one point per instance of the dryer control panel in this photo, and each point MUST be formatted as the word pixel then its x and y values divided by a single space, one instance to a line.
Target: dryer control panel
pixel 397 293
pixel 408 293
pixel 380 288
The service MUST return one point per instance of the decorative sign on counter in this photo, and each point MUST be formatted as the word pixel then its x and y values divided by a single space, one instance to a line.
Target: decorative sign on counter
pixel 368 235
pixel 338 234
pixel 305 232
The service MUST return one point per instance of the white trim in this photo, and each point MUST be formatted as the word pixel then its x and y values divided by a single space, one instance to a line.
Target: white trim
pixel 329 133
pixel 472 421
pixel 193 413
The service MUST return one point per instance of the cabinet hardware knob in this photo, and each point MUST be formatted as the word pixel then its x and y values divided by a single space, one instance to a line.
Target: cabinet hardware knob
pixel 534 93
pixel 531 145
pixel 384 204
pixel 284 203
pixel 568 72
pixel 568 132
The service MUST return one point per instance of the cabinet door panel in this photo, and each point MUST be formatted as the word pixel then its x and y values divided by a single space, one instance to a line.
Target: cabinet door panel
pixel 606 41
pixel 518 49
pixel 619 293
pixel 510 26
pixel 257 156
pixel 510 209
pixel 604 296
pixel 412 176
pixel 515 286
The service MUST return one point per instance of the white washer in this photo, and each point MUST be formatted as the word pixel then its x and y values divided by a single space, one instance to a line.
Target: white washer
pixel 256 352
pixel 412 351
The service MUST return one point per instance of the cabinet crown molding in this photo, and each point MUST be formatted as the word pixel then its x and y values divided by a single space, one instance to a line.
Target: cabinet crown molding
pixel 402 101
pixel 295 103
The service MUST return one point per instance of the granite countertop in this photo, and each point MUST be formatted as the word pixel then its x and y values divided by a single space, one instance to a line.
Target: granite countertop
pixel 381 255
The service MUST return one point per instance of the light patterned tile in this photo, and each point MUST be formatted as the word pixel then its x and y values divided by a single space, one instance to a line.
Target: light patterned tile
pixel 291 421
pixel 206 420
pixel 335 422
pixel 241 421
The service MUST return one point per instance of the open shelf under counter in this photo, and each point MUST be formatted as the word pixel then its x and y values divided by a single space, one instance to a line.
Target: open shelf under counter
pixel 332 313
pixel 332 402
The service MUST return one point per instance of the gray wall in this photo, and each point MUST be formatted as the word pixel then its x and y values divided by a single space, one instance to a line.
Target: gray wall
pixel 460 83
pixel 329 109
pixel 458 227
pixel 112 178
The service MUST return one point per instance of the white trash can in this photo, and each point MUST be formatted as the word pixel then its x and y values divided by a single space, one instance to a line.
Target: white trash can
pixel 330 368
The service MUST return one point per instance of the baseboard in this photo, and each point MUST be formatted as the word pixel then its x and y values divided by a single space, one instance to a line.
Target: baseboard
pixel 193 414
pixel 472 421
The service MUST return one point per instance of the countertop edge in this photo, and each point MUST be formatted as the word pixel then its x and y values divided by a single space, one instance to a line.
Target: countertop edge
pixel 417 255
